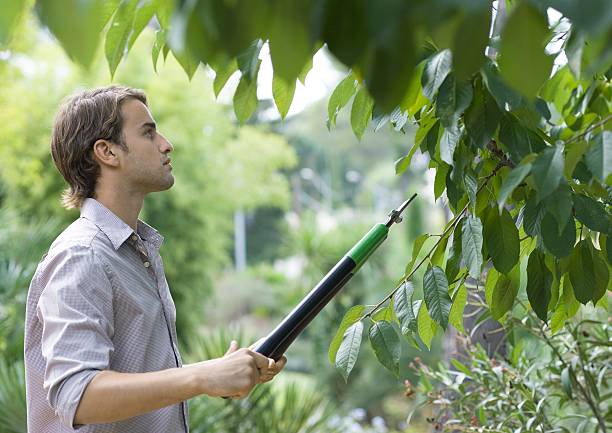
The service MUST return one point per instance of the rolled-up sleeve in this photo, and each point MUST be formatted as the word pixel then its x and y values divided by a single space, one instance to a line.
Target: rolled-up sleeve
pixel 76 312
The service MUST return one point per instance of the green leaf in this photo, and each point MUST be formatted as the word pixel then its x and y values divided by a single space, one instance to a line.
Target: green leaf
pixel 471 245
pixel 573 155
pixel 470 41
pixel 471 188
pixel 222 74
pixel 455 316
pixel 283 95
pixel 117 35
pixel 517 140
pixel 454 253
pixel 435 293
pixel 606 248
pixel 160 41
pixel 402 303
pixel 339 98
pixel 187 62
pixel 533 214
pixel 453 99
pixel 539 281
pixel 547 171
pixel 416 249
pixel 80 34
pixel 588 272
pixel 435 71
pixel 386 313
pixel 10 16
pixel 144 14
pixel 523 39
pixel 305 70
pixel 514 179
pixel 361 112
pixel 245 98
pixel 591 213
pixel 502 240
pixel 492 277
pixel 504 293
pixel 349 349
pixel 248 60
pixel 163 12
pixel 448 142
pixel 559 244
pixel 427 327
pixel 289 39
pixel 559 205
pixel 440 180
pixel 566 307
pixel 566 382
pixel 482 116
pixel 599 157
pixel 351 317
pixel 437 257
pixel 388 76
pixel 386 345
pixel 402 164
pixel 505 96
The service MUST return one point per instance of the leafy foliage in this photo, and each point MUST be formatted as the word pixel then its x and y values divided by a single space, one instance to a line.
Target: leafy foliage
pixel 549 383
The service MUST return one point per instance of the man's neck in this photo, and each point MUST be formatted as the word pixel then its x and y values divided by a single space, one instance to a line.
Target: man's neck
pixel 125 206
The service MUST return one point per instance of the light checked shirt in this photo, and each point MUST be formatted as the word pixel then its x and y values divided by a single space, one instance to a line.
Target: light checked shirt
pixel 98 300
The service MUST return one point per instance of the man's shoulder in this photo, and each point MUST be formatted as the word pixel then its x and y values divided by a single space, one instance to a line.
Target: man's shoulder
pixel 81 235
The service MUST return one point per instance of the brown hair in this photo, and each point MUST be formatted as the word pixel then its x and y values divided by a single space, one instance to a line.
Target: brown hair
pixel 83 119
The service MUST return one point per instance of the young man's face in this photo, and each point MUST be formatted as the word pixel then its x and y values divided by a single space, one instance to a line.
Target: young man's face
pixel 146 165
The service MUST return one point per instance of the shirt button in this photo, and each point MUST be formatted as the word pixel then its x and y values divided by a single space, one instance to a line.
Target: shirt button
pixel 146 264
pixel 134 237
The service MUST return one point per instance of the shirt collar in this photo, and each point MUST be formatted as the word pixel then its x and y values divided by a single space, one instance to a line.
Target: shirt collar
pixel 114 227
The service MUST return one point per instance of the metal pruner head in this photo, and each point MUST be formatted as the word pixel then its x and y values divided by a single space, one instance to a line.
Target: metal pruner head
pixel 395 214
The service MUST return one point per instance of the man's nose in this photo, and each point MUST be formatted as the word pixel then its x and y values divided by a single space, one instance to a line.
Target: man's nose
pixel 166 146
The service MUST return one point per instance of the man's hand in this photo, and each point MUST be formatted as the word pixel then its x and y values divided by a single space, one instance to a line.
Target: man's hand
pixel 236 373
pixel 274 367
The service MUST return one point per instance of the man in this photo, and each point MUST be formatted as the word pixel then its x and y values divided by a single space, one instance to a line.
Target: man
pixel 100 343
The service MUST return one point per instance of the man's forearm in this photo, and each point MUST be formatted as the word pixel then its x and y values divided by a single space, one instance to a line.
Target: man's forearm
pixel 113 396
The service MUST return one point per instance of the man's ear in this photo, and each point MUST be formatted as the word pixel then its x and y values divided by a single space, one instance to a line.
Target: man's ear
pixel 105 153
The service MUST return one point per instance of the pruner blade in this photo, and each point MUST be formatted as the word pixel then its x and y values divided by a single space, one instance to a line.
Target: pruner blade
pixel 395 214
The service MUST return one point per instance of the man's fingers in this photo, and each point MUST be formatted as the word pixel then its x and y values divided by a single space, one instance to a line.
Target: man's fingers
pixel 233 347
pixel 277 366
pixel 261 362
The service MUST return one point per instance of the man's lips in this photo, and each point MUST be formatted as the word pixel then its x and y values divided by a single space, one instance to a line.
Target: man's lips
pixel 167 162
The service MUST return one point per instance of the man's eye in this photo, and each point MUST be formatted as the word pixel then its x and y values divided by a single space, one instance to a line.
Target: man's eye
pixel 150 133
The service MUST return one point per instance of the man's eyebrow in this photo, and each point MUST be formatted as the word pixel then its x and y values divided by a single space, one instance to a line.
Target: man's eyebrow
pixel 148 125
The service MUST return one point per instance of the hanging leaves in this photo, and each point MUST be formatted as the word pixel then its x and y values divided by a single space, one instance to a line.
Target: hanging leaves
pixel 539 280
pixel 502 240
pixel 435 293
pixel 339 98
pixel 349 349
pixel 361 112
pixel 471 245
pixel 504 293
pixel 402 303
pixel 386 345
pixel 455 316
pixel 588 272
pixel 511 181
pixel 350 317
pixel 435 71
pixel 523 39
pixel 547 171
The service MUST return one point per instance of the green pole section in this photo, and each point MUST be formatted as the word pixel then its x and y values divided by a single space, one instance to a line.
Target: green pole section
pixel 368 244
